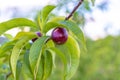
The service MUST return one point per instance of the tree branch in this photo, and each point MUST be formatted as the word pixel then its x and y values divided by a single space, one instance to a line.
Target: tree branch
pixel 76 7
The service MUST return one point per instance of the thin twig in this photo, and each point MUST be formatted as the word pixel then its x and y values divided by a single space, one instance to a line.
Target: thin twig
pixel 76 7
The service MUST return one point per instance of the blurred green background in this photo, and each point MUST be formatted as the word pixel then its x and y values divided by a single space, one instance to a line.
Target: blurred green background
pixel 101 61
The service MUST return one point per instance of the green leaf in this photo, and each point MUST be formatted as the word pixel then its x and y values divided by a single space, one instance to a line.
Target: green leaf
pixel 45 12
pixel 51 25
pixel 38 20
pixel 76 31
pixel 35 53
pixel 61 55
pixel 40 69
pixel 74 52
pixel 18 70
pixel 16 22
pixel 17 50
pixel 21 34
pixel 50 44
pixel 15 54
pixel 47 64
pixel 58 18
pixel 26 70
pixel 6 48
pixel 9 36
pixel 9 45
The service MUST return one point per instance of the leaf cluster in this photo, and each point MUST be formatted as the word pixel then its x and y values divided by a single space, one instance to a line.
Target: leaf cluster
pixel 36 60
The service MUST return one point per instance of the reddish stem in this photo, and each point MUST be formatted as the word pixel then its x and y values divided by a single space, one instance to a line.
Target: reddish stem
pixel 76 7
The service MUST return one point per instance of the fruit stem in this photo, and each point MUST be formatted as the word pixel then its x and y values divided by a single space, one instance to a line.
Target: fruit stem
pixel 75 8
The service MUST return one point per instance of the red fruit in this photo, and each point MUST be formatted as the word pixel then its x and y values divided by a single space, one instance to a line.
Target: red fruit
pixel 59 35
pixel 38 34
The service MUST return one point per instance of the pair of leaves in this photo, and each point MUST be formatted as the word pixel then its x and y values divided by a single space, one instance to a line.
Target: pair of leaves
pixel 42 17
pixel 62 57
pixel 45 62
pixel 44 69
pixel 41 64
pixel 74 53
pixel 18 47
pixel 45 12
pixel 45 66
pixel 35 54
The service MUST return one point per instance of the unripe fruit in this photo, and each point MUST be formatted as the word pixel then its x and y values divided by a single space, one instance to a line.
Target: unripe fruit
pixel 38 34
pixel 59 35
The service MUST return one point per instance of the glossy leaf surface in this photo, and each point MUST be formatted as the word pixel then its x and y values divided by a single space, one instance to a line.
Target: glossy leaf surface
pixel 74 53
pixel 16 22
pixel 35 54
pixel 17 50
pixel 48 64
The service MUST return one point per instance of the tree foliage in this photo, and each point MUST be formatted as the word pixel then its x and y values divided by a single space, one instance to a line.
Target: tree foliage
pixel 35 61
pixel 101 61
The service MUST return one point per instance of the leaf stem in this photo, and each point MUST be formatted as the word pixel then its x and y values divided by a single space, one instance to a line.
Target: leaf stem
pixel 75 8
